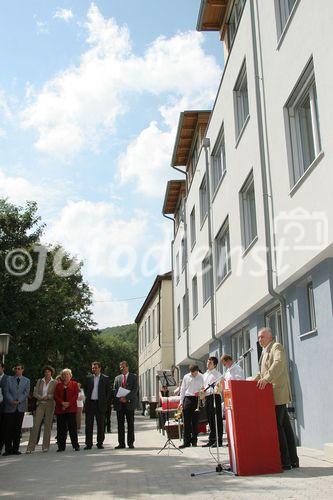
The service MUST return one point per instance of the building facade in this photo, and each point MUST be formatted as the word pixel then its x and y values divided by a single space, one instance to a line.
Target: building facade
pixel 255 242
pixel 155 336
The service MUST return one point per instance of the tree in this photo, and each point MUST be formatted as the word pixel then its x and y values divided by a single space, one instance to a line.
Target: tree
pixel 52 324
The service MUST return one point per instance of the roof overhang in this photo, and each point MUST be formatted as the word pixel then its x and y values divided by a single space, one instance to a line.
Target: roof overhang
pixel 187 126
pixel 173 192
pixel 212 15
pixel 152 292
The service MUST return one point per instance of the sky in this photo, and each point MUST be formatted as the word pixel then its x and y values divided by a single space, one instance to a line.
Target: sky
pixel 90 97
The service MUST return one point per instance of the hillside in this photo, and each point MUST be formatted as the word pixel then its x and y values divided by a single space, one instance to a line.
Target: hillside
pixel 124 333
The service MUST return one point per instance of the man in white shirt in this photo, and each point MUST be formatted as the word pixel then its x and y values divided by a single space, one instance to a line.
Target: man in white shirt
pixel 210 376
pixel 233 372
pixel 193 382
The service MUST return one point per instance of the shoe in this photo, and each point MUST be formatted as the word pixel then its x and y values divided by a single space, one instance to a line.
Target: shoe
pixel 58 451
pixel 119 447
pixel 45 450
pixel 286 467
pixel 194 445
pixel 295 465
pixel 87 448
pixel 207 445
pixel 16 453
pixel 7 453
pixel 77 448
pixel 100 446
pixel 28 452
pixel 183 446
pixel 131 446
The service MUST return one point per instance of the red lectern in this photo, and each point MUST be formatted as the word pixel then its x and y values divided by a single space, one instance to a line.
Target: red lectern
pixel 251 428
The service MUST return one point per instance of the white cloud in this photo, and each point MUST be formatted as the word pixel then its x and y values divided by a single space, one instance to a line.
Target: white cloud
pixel 5 109
pixel 42 27
pixel 101 236
pixel 107 310
pixel 79 106
pixel 64 14
pixel 19 190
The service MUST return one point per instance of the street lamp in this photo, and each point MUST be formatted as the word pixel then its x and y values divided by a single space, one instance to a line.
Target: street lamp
pixel 4 345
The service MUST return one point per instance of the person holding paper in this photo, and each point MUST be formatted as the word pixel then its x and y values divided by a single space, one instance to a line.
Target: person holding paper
pixel 97 397
pixel 125 401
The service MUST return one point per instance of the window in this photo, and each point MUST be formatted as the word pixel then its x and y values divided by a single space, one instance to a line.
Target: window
pixel 241 100
pixel 153 382
pixel 283 11
pixel 195 296
pixel 145 333
pixel 153 323
pixel 303 116
pixel 177 268
pixel 234 20
pixel 179 331
pixel 185 311
pixel 273 319
pixel 183 250
pixel 311 306
pixel 248 212
pixel 206 279
pixel 240 342
pixel 192 228
pixel 222 246
pixel 195 153
pixel 203 200
pixel 218 164
pixel 158 319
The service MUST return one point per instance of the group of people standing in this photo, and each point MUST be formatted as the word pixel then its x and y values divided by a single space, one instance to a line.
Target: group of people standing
pixel 65 398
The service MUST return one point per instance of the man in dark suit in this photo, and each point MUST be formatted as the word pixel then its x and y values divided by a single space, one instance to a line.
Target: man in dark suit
pixel 3 378
pixel 16 393
pixel 97 397
pixel 126 405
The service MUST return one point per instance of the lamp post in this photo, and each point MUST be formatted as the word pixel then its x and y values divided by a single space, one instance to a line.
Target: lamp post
pixel 4 345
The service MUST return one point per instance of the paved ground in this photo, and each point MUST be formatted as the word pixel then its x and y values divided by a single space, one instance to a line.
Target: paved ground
pixel 142 473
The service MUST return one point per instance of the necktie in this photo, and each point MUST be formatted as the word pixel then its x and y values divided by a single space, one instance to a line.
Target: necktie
pixel 123 384
pixel 18 380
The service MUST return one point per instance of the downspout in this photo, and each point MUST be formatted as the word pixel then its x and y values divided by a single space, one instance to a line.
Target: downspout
pixel 206 146
pixel 186 281
pixel 267 194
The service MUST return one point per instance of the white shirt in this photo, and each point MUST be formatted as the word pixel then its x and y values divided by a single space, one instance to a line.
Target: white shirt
pixel 94 394
pixel 45 387
pixel 235 373
pixel 210 376
pixel 191 386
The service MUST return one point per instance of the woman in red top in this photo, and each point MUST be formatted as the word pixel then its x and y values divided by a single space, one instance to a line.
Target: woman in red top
pixel 65 396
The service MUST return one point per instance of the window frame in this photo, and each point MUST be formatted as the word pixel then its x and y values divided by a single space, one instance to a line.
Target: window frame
pixel 195 297
pixel 223 232
pixel 203 199
pixel 186 315
pixel 218 159
pixel 177 268
pixel 193 227
pixel 179 331
pixel 241 105
pixel 311 307
pixel 207 271
pixel 249 235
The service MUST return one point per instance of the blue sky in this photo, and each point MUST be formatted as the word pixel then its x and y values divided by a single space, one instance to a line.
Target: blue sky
pixel 90 95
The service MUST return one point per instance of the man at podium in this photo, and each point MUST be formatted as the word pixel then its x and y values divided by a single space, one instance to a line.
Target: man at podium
pixel 273 370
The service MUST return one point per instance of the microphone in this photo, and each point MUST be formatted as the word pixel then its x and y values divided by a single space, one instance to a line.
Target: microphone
pixel 246 353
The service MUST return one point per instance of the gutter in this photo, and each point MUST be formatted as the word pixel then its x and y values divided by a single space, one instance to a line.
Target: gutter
pixel 186 280
pixel 206 146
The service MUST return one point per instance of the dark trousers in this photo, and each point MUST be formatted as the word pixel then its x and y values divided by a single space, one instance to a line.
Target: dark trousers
pixel 287 443
pixel 191 420
pixel 93 412
pixel 66 421
pixel 12 429
pixel 209 403
pixel 122 412
pixel 2 427
pixel 107 426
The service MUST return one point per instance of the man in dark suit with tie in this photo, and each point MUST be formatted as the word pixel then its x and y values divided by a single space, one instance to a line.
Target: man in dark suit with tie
pixel 16 393
pixel 125 405
pixel 97 397
pixel 3 379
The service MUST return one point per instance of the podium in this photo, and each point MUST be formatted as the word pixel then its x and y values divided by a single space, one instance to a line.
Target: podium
pixel 251 428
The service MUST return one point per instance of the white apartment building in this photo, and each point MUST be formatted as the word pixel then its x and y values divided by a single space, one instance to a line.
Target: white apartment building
pixel 254 241
pixel 155 336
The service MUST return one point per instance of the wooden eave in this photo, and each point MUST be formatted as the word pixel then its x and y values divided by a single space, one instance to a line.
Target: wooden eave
pixel 212 15
pixel 187 126
pixel 174 190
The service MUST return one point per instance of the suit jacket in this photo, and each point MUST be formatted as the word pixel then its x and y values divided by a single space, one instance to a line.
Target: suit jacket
pixel 273 368
pixel 38 392
pixel 13 391
pixel 131 385
pixel 72 393
pixel 104 391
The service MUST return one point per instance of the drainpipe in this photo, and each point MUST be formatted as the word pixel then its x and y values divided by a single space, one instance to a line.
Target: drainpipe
pixel 267 194
pixel 186 281
pixel 206 146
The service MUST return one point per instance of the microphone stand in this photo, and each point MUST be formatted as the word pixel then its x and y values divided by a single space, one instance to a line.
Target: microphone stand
pixel 220 468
